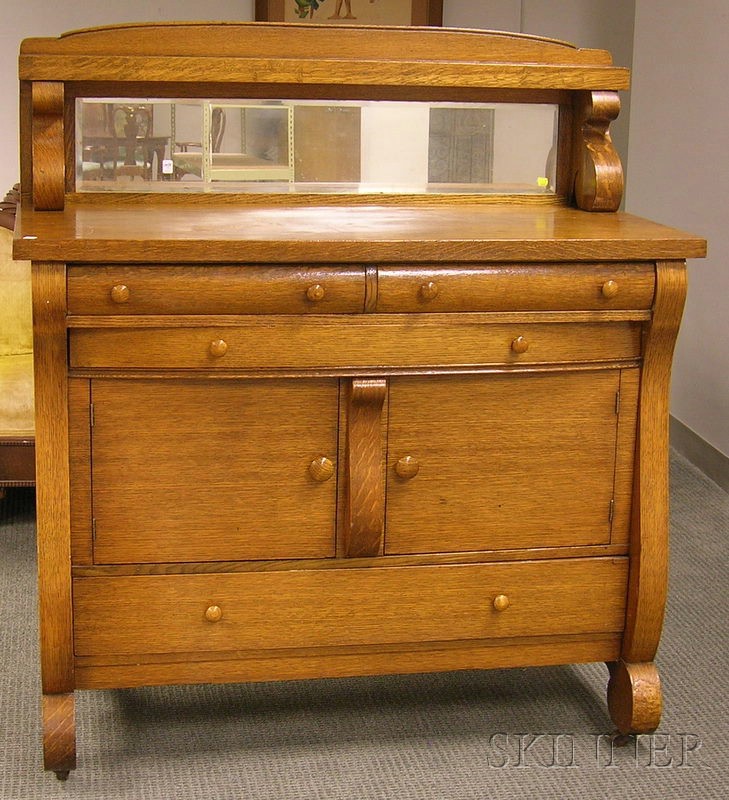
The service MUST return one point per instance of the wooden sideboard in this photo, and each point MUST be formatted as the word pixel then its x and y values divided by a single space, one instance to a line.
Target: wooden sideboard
pixel 291 434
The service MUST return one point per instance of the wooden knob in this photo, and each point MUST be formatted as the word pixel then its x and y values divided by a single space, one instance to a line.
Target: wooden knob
pixel 213 613
pixel 407 467
pixel 316 293
pixel 218 348
pixel 429 290
pixel 501 602
pixel 321 469
pixel 520 345
pixel 120 293
pixel 609 289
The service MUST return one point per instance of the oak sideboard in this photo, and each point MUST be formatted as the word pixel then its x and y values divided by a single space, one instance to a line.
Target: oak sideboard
pixel 346 361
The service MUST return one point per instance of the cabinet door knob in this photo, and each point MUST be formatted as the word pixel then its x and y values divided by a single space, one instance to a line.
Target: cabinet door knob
pixel 120 293
pixel 213 613
pixel 520 345
pixel 429 290
pixel 315 293
pixel 609 289
pixel 501 602
pixel 218 348
pixel 407 467
pixel 321 469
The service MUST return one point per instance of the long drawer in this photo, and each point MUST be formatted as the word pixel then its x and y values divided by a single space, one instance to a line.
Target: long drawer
pixel 381 340
pixel 515 287
pixel 303 289
pixel 347 607
pixel 224 289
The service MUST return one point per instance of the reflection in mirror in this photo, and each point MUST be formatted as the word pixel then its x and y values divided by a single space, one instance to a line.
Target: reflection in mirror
pixel 336 146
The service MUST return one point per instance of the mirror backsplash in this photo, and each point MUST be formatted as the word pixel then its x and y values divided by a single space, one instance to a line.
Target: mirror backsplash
pixel 325 146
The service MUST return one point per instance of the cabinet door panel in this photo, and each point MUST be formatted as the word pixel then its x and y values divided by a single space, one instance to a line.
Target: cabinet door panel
pixel 503 462
pixel 204 471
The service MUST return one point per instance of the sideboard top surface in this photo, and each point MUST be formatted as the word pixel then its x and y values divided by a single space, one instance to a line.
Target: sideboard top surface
pixel 212 232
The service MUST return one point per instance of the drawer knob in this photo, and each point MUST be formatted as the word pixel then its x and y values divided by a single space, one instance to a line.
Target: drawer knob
pixel 321 469
pixel 429 290
pixel 316 293
pixel 520 345
pixel 120 293
pixel 218 348
pixel 407 467
pixel 501 602
pixel 609 289
pixel 213 613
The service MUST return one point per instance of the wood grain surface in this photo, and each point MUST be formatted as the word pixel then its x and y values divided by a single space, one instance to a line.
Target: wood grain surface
pixel 317 54
pixel 373 340
pixel 263 611
pixel 346 42
pixel 79 444
pixel 505 462
pixel 599 173
pixel 53 525
pixel 513 287
pixel 625 456
pixel 649 528
pixel 494 654
pixel 220 289
pixel 635 697
pixel 219 232
pixel 59 733
pixel 204 471
pixel 48 146
pixel 364 522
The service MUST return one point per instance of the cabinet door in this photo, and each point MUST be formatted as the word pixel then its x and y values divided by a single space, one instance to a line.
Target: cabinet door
pixel 213 471
pixel 500 462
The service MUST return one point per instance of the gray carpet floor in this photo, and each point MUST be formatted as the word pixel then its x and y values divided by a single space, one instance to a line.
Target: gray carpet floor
pixel 528 733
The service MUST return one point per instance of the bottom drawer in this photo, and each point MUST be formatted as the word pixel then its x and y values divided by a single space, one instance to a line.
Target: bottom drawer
pixel 257 611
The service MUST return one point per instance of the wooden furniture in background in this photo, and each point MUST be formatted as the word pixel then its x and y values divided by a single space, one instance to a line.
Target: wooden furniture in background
pixel 388 434
pixel 17 434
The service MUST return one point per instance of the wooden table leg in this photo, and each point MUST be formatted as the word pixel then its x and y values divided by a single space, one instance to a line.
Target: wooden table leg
pixel 635 700
pixel 59 733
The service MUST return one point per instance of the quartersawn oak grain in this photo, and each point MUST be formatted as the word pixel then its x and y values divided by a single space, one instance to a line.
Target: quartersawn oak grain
pixel 256 439
pixel 192 380
pixel 48 148
pixel 535 651
pixel 315 54
pixel 162 233
pixel 365 499
pixel 337 608
pixel 224 289
pixel 366 341
pixel 536 470
pixel 649 525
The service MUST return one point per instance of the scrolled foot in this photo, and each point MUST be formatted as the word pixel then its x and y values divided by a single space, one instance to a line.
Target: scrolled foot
pixel 59 734
pixel 635 700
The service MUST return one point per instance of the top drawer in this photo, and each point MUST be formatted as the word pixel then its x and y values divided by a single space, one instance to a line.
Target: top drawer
pixel 215 290
pixel 515 287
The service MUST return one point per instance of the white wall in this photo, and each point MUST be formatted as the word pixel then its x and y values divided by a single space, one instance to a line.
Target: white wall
pixel 495 15
pixel 43 18
pixel 679 174
pixel 602 24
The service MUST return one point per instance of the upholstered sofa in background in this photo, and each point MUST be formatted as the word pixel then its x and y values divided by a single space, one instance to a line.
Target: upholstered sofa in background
pixel 17 442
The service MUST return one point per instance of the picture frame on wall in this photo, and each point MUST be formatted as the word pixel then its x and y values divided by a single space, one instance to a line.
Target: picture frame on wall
pixel 355 12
